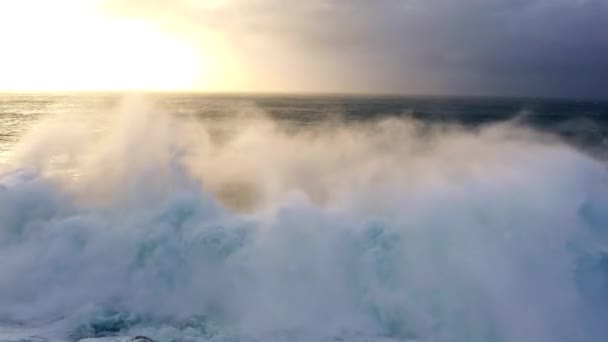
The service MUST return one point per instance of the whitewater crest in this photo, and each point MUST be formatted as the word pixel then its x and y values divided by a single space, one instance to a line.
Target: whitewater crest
pixel 173 229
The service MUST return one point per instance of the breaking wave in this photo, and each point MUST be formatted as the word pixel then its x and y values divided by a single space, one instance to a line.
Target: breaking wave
pixel 388 230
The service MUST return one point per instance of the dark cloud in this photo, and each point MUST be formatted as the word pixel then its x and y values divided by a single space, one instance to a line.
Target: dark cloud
pixel 507 47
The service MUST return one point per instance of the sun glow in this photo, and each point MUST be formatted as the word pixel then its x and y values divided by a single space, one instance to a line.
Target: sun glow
pixel 70 45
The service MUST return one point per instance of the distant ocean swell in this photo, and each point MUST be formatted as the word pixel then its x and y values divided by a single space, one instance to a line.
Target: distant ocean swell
pixel 392 230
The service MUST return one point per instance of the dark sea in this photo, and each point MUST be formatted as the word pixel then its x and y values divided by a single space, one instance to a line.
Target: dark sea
pixel 189 217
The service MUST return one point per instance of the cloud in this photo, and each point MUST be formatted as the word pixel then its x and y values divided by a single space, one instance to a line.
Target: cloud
pixel 515 47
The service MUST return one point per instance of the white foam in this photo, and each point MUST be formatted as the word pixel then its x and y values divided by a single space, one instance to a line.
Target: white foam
pixel 392 229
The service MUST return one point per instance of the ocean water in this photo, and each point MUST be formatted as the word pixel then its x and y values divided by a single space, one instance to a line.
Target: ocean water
pixel 275 218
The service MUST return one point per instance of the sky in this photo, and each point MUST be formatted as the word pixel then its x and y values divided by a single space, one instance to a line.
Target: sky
pixel 462 47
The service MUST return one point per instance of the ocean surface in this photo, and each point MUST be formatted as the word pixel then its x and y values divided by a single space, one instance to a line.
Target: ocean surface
pixel 184 217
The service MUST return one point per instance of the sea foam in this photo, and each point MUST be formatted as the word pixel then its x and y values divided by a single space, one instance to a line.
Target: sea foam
pixel 394 229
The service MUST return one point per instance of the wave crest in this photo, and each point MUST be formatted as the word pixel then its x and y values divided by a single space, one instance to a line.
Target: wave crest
pixel 393 229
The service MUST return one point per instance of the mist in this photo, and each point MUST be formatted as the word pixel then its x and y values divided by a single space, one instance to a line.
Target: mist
pixel 134 221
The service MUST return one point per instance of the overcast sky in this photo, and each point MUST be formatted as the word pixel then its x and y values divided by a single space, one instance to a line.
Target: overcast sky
pixel 503 47
pixel 469 47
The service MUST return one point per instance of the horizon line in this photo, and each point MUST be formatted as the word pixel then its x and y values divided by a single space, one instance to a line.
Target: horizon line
pixel 300 94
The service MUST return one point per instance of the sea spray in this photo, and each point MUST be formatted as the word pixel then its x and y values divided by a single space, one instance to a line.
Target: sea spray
pixel 392 229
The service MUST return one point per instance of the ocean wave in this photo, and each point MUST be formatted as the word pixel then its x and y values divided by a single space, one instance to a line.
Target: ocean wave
pixel 392 230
